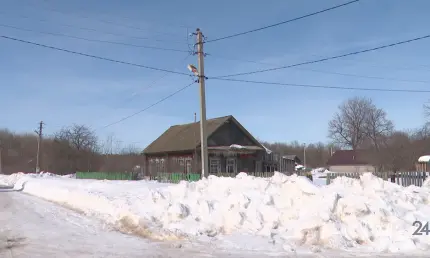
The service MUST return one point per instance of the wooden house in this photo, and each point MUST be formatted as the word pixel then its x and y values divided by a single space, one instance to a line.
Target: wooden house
pixel 231 149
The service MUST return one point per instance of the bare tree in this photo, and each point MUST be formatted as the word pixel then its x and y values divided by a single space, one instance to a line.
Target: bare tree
pixel 107 145
pixel 359 123
pixel 78 147
pixel 317 154
pixel 399 152
pixel 348 126
pixel 427 109
pixel 79 137
pixel 130 149
pixel 377 126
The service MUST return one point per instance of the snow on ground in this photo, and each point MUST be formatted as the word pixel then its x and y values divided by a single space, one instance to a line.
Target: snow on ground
pixel 319 176
pixel 278 214
pixel 35 228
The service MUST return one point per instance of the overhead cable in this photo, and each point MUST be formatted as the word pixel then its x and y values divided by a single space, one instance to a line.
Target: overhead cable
pixel 283 22
pixel 93 56
pixel 328 58
pixel 322 86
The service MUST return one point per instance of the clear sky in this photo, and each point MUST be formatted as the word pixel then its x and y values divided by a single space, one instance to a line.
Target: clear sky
pixel 62 89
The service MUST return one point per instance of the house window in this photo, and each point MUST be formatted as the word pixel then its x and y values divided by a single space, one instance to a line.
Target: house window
pixel 159 165
pixel 230 166
pixel 188 166
pixel 214 165
pixel 181 162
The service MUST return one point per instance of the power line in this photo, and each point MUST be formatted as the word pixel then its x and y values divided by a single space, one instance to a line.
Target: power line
pixel 142 110
pixel 99 31
pixel 328 58
pixel 93 56
pixel 364 76
pixel 95 19
pixel 154 82
pixel 93 40
pixel 127 18
pixel 150 85
pixel 322 86
pixel 283 22
pixel 328 72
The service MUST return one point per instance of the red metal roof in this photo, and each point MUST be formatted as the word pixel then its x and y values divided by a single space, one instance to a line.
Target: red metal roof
pixel 349 157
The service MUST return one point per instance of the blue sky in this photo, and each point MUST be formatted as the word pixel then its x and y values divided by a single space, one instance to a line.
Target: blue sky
pixel 62 89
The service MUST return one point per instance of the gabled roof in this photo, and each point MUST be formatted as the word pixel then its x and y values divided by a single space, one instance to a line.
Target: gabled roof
pixel 349 157
pixel 187 136
pixel 292 157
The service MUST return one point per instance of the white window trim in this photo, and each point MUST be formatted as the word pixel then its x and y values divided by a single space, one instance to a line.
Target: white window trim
pixel 234 166
pixel 188 166
pixel 218 165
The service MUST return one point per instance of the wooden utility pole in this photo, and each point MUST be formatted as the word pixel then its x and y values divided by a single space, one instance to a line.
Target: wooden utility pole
pixel 39 133
pixel 203 135
pixel 304 156
pixel 195 148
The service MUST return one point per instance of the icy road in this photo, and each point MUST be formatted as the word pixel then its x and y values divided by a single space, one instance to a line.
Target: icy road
pixel 31 227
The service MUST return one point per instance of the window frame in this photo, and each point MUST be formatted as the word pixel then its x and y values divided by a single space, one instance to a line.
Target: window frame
pixel 233 165
pixel 218 165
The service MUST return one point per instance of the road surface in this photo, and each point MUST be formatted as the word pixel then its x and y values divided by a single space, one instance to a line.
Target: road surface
pixel 31 227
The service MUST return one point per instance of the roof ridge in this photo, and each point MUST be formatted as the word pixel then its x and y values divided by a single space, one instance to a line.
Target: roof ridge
pixel 184 136
pixel 207 120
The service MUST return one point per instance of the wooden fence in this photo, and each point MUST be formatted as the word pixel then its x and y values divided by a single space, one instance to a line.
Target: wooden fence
pixel 177 177
pixel 402 178
pixel 107 175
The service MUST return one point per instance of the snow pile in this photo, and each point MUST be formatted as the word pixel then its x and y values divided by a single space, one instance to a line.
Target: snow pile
pixel 426 182
pixel 47 174
pixel 236 146
pixel 11 179
pixel 299 167
pixel 319 171
pixel 366 214
pixel 320 176
pixel 69 176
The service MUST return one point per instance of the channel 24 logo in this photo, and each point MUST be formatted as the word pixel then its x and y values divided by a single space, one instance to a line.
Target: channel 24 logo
pixel 421 230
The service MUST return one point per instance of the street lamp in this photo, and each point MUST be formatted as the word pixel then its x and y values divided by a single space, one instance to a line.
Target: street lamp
pixel 193 69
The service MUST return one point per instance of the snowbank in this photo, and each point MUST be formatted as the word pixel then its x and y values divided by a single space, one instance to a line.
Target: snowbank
pixel 289 212
pixel 319 176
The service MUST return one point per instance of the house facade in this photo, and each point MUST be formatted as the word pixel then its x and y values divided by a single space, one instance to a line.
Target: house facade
pixel 231 149
pixel 350 161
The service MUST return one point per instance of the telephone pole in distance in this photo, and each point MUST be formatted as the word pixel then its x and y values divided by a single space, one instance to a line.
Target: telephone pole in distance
pixel 39 133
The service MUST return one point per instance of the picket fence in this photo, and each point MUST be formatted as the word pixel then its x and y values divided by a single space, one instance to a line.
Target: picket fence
pixel 401 178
